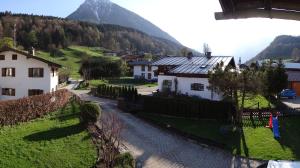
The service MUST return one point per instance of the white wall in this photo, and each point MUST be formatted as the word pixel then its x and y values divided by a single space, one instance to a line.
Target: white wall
pixel 184 86
pixel 21 82
pixel 137 71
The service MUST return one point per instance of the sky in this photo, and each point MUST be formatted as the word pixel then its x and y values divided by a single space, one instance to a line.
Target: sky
pixel 191 22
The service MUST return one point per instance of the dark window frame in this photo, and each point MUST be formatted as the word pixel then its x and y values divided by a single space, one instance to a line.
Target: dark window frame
pixel 34 92
pixel 5 73
pixel 143 68
pixel 14 57
pixel 197 87
pixel 149 68
pixel 2 57
pixel 8 92
pixel 32 74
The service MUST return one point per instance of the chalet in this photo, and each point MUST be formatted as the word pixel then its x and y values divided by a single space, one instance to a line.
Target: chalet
pixel 293 72
pixel 24 74
pixel 189 75
pixel 144 70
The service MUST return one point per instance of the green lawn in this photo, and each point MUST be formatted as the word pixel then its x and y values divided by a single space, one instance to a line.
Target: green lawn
pixel 57 140
pixel 251 101
pixel 254 142
pixel 72 57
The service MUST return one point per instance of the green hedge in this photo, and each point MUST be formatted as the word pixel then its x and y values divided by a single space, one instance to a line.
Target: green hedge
pixel 90 112
pixel 128 92
pixel 188 107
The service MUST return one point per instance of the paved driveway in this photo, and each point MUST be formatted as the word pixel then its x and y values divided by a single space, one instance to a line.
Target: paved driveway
pixel 155 148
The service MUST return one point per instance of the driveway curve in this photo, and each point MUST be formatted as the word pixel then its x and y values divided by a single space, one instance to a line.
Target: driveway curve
pixel 156 148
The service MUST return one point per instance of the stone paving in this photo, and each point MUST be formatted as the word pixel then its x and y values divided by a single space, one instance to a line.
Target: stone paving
pixel 156 148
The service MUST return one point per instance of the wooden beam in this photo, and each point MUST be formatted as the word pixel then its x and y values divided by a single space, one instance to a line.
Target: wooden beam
pixel 259 13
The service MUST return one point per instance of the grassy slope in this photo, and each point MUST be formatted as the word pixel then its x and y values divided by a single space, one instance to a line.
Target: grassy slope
pixel 54 141
pixel 256 143
pixel 72 56
pixel 251 101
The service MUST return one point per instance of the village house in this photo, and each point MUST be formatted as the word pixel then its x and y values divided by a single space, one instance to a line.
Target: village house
pixel 189 75
pixel 293 72
pixel 144 70
pixel 24 74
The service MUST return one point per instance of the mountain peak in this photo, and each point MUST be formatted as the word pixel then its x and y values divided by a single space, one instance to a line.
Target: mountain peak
pixel 97 2
pixel 107 12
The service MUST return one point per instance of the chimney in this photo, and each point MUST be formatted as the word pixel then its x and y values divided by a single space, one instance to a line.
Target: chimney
pixel 190 55
pixel 32 51
pixel 208 54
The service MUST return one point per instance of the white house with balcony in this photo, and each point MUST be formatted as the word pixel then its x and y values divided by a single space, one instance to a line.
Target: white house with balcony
pixel 189 75
pixel 24 74
pixel 144 70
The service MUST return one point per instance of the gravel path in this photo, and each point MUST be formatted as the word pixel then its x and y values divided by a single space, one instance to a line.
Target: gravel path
pixel 156 148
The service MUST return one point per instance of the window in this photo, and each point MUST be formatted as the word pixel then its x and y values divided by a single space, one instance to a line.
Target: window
pixel 8 92
pixel 2 57
pixel 14 57
pixel 149 68
pixel 166 85
pixel 149 75
pixel 197 87
pixel 33 92
pixel 36 72
pixel 143 67
pixel 143 75
pixel 53 72
pixel 9 72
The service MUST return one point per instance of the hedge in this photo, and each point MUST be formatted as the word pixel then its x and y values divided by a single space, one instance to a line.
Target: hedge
pixel 25 109
pixel 128 92
pixel 188 107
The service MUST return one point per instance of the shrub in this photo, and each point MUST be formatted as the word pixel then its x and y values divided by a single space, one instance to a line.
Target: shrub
pixel 25 109
pixel 125 160
pixel 128 92
pixel 90 112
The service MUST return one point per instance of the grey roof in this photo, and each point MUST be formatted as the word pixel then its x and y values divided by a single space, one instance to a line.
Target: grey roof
pixel 140 63
pixel 292 65
pixel 194 65
pixel 293 76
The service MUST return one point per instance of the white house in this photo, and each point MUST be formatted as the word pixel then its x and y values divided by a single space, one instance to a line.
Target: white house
pixel 24 74
pixel 189 75
pixel 144 70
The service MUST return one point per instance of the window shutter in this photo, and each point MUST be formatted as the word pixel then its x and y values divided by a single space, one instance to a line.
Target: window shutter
pixel 13 92
pixel 42 72
pixel 30 72
pixel 13 72
pixel 4 72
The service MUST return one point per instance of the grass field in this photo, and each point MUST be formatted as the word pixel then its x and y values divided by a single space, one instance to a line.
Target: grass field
pixel 254 142
pixel 57 140
pixel 71 57
pixel 251 102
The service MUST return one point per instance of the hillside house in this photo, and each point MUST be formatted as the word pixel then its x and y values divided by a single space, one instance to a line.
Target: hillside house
pixel 24 74
pixel 189 75
pixel 293 72
pixel 144 70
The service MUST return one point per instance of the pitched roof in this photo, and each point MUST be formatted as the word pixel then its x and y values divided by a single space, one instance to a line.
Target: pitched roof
pixel 292 66
pixel 6 48
pixel 140 63
pixel 194 65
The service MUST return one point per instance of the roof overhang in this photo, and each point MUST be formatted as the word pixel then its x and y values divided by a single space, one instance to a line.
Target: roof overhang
pixel 29 56
pixel 240 9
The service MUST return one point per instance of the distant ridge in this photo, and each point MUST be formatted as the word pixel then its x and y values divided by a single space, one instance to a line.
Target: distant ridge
pixel 107 12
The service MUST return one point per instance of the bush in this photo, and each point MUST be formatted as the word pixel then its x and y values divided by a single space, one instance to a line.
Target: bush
pixel 90 112
pixel 25 109
pixel 128 92
pixel 125 160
